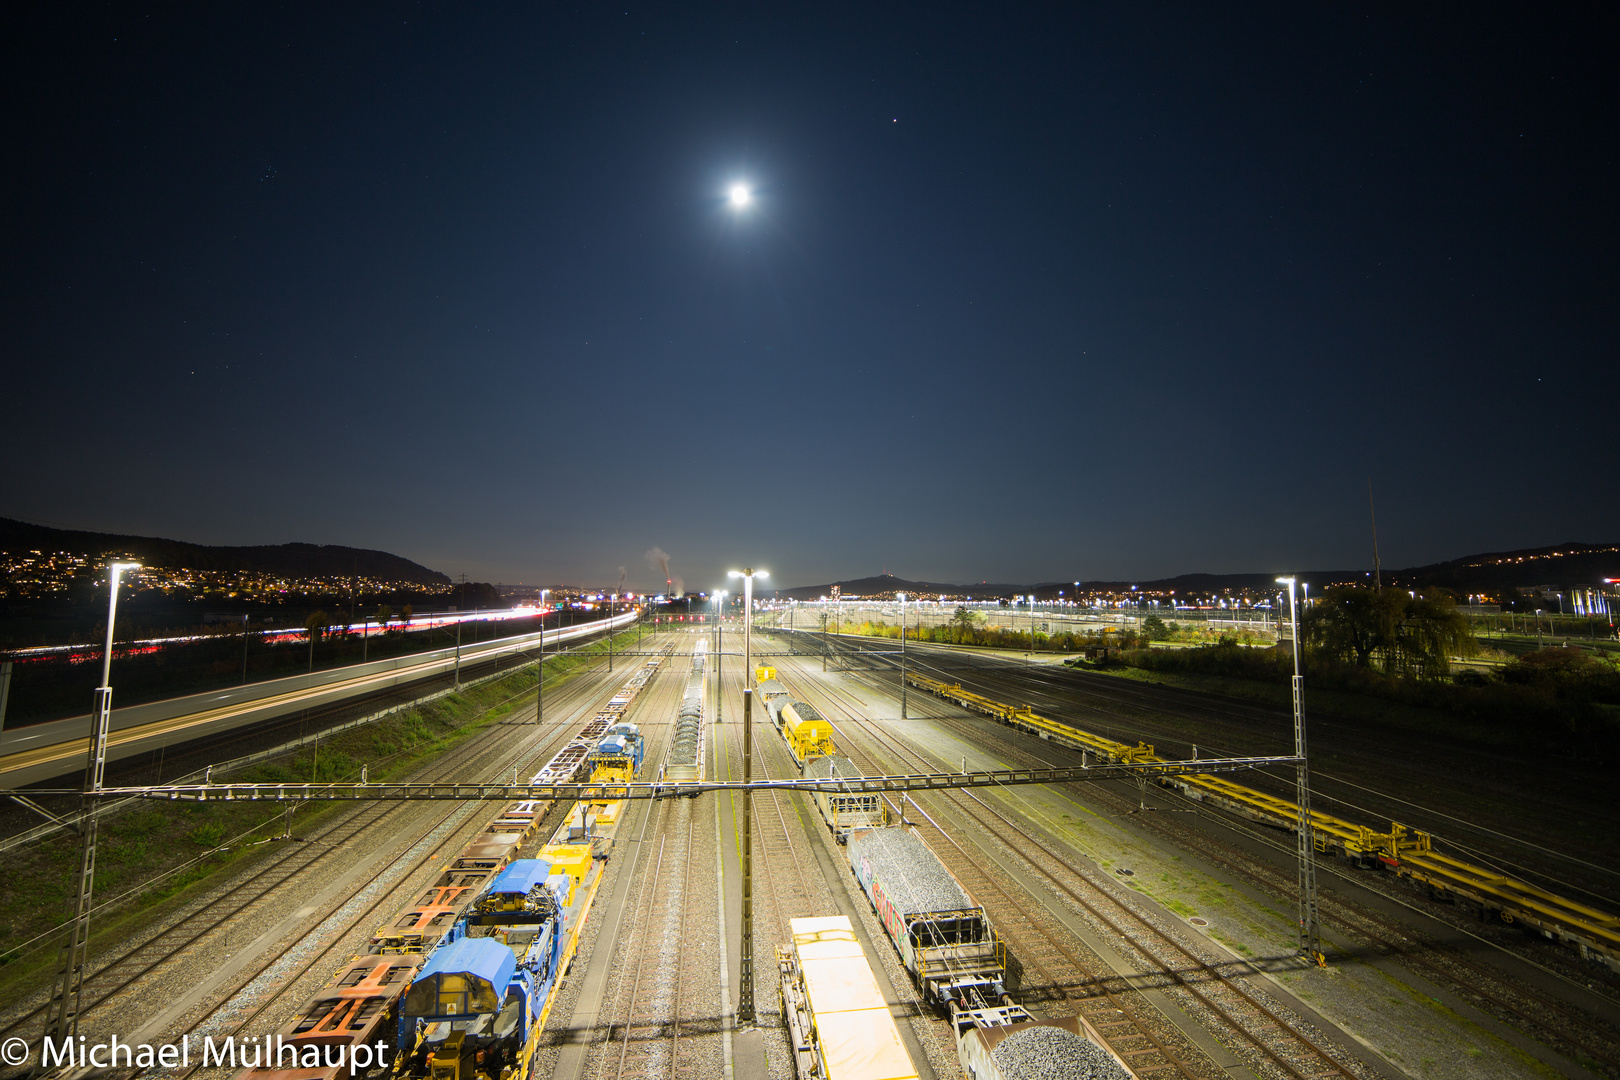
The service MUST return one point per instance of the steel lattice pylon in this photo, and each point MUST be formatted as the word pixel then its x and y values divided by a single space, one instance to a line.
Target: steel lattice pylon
pixel 1309 936
pixel 62 1020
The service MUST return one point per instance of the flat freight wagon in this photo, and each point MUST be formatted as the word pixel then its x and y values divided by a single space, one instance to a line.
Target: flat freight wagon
pixel 836 1016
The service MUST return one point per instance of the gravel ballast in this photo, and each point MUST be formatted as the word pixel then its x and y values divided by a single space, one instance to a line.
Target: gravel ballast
pixel 909 872
pixel 1051 1053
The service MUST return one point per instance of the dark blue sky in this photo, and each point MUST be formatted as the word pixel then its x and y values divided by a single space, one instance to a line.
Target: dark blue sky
pixel 1023 295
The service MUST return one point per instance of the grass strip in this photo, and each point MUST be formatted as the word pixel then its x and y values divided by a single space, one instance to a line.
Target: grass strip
pixel 157 855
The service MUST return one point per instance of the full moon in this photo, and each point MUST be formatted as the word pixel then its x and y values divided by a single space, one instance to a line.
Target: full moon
pixel 740 195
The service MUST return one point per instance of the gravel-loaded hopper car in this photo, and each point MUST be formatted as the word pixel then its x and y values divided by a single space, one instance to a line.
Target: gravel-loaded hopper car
pixel 1007 1042
pixel 845 810
pixel 686 746
pixel 772 695
pixel 944 938
pixel 807 733
pixel 836 1016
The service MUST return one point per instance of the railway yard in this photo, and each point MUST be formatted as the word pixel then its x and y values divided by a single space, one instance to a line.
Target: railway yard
pixel 1103 929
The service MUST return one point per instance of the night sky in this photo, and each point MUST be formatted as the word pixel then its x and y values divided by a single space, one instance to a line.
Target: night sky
pixel 1020 297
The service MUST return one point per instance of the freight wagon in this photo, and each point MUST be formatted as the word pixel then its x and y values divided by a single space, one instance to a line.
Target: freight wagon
pixel 354 1009
pixel 618 756
pixel 366 997
pixel 476 1009
pixel 842 809
pixel 771 695
pixel 807 733
pixel 686 745
pixel 1006 1042
pixel 836 1016
pixel 944 938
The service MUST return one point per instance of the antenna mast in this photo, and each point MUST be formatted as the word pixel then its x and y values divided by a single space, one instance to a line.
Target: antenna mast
pixel 1378 581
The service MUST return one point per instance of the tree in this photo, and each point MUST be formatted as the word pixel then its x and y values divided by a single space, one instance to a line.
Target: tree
pixel 1350 623
pixel 316 623
pixel 1430 633
pixel 1154 628
pixel 384 615
pixel 1406 633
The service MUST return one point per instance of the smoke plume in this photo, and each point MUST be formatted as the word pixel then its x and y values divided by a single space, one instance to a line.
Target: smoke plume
pixel 658 558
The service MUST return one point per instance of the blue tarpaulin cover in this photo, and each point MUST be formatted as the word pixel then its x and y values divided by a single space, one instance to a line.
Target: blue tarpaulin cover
pixel 469 976
pixel 521 876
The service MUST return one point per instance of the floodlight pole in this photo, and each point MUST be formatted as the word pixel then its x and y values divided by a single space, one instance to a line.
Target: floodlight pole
pixel 719 642
pixel 902 654
pixel 745 999
pixel 62 1020
pixel 540 668
pixel 1309 931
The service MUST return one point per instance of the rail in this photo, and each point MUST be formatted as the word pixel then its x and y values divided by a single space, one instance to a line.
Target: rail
pixel 1407 852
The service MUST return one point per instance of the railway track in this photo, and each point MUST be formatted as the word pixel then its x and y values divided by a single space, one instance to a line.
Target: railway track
pixel 1085 698
pixel 230 1016
pixel 1272 1039
pixel 1240 727
pixel 655 1027
pixel 186 929
pixel 1556 1024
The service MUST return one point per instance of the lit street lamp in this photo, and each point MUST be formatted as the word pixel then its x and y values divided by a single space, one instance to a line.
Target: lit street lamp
pixel 748 577
pixel 63 1021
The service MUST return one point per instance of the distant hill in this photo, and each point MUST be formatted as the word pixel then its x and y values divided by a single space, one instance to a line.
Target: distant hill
pixel 884 584
pixel 292 560
pixel 1560 564
pixel 1556 565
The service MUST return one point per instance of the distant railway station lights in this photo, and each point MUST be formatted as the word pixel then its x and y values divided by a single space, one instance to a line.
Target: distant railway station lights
pixel 62 1021
pixel 1309 936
